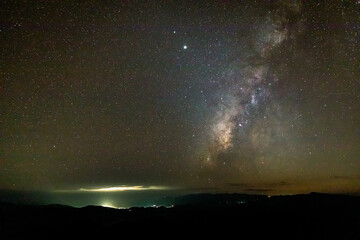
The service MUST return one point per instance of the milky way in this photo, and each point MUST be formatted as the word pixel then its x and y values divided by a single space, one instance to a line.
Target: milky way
pixel 248 117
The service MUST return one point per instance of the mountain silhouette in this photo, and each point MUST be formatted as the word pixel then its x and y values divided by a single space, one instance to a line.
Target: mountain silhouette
pixel 311 216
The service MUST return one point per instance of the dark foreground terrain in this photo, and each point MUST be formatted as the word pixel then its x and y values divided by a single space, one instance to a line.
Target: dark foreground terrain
pixel 313 216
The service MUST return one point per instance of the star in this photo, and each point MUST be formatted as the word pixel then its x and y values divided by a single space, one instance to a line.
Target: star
pixel 164 92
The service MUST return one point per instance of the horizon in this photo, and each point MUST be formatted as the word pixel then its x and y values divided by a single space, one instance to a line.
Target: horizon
pixel 126 199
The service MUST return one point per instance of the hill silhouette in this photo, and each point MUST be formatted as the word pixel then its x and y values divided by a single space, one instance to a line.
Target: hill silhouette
pixel 312 216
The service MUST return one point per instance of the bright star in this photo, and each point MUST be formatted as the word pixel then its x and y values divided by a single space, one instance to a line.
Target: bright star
pixel 185 47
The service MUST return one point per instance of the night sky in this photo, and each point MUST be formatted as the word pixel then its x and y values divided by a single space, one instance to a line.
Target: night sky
pixel 213 96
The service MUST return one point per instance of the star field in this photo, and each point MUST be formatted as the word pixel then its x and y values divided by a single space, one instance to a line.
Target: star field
pixel 235 96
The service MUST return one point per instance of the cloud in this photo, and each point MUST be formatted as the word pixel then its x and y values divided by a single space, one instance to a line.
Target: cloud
pixel 117 189
pixel 262 190
pixel 282 183
pixel 203 189
pixel 238 185
pixel 342 177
